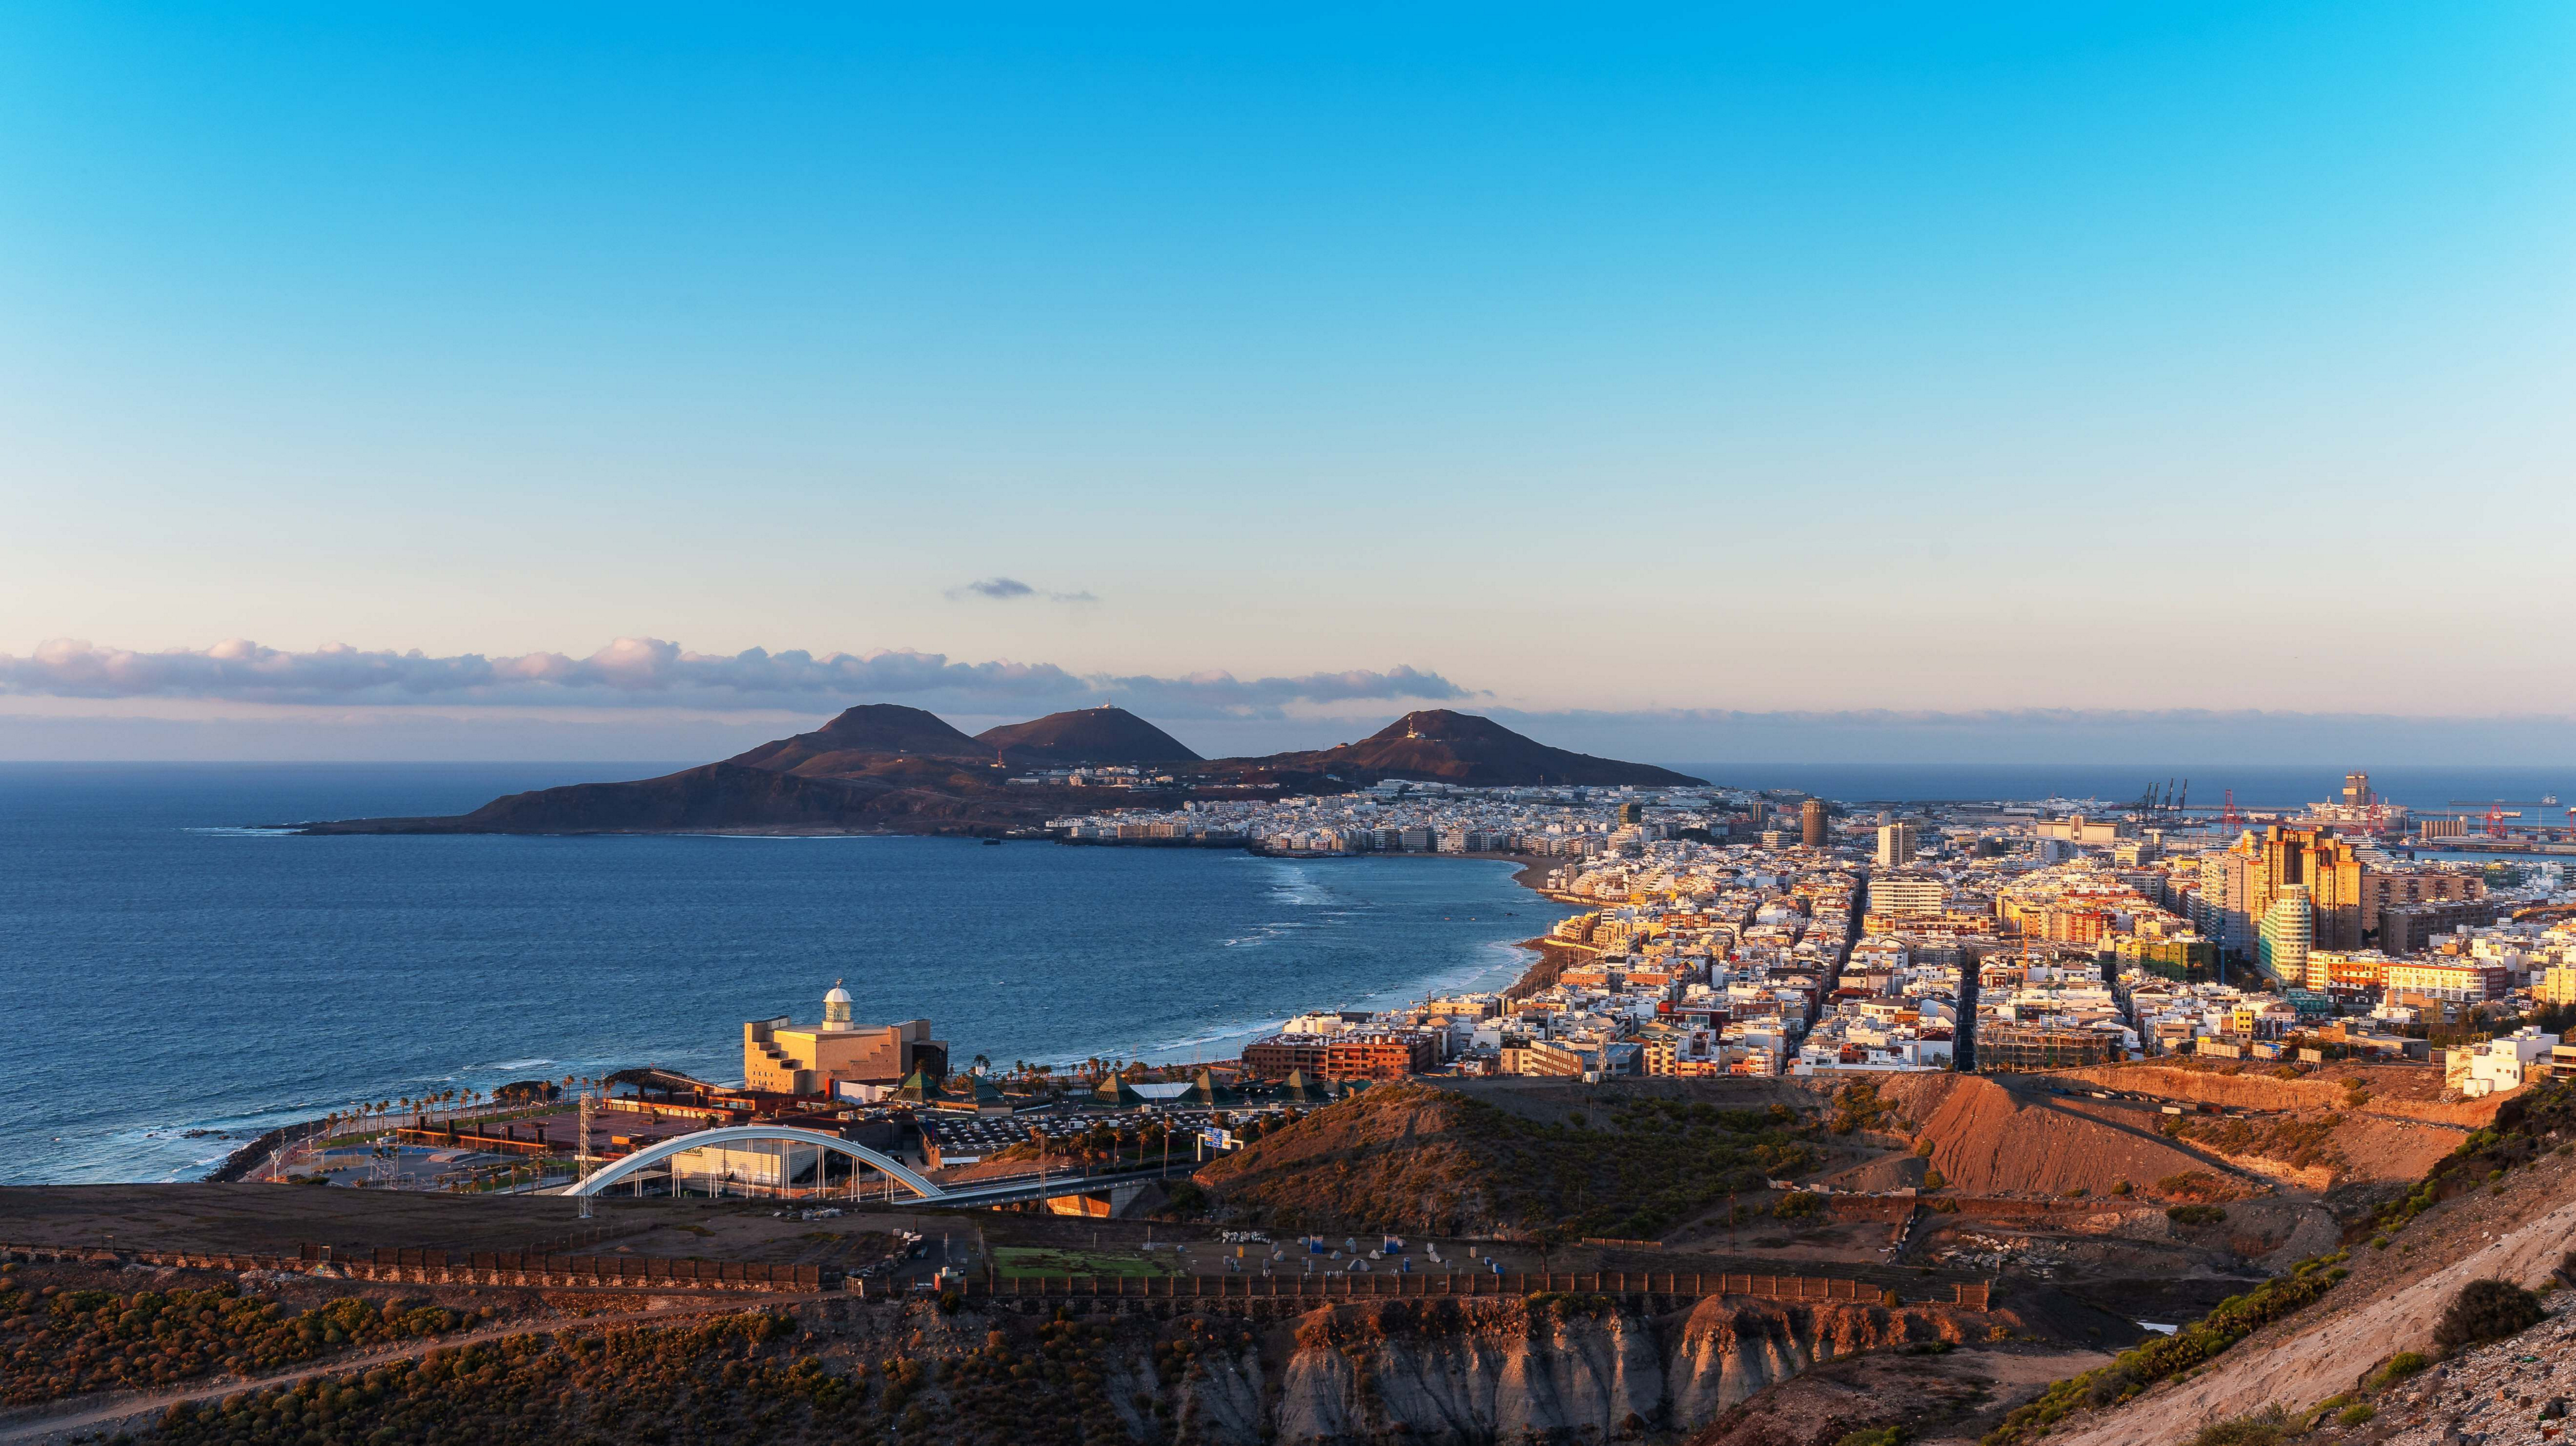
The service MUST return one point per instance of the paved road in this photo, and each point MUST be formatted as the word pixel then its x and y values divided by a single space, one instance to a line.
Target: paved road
pixel 61 1420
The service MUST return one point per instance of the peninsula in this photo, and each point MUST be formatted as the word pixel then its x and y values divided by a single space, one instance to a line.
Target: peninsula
pixel 885 768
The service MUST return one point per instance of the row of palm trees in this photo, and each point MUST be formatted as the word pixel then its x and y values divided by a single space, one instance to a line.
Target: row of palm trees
pixel 372 1113
pixel 1091 1071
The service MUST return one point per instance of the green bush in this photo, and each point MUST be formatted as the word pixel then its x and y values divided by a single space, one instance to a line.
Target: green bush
pixel 1797 1205
pixel 2356 1414
pixel 1876 1436
pixel 2195 1214
pixel 2486 1310
pixel 2398 1368
pixel 2266 1427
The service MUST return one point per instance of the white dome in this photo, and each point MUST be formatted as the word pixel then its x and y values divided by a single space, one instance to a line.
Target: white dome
pixel 838 995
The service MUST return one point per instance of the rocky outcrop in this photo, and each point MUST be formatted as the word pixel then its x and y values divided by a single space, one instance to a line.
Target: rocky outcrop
pixel 1481 1373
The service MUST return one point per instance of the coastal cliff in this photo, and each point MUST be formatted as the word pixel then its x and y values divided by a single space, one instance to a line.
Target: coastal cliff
pixel 1550 1368
pixel 1554 1368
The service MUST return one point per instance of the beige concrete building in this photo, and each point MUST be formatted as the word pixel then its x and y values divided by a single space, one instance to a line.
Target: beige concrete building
pixel 2082 830
pixel 805 1059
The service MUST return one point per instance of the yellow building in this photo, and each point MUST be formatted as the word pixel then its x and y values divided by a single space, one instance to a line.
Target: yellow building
pixel 784 1057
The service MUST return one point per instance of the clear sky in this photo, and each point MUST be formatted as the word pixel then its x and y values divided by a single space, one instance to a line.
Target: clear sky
pixel 1771 359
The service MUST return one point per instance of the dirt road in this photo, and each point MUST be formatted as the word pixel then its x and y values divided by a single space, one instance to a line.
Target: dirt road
pixel 61 1420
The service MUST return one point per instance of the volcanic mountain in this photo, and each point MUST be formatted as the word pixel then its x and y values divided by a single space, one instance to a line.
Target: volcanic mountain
pixel 1441 746
pixel 851 741
pixel 1085 735
pixel 880 767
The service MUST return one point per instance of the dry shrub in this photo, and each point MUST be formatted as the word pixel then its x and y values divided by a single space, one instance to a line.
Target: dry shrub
pixel 2487 1310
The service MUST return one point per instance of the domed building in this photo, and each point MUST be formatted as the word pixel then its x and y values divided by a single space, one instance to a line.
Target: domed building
pixel 781 1056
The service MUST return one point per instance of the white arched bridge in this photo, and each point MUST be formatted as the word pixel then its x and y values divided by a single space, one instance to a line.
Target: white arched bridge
pixel 782 1161
pixel 772 1157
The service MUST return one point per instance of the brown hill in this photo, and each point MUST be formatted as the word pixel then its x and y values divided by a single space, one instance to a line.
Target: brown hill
pixel 1086 735
pixel 1990 1140
pixel 848 742
pixel 1441 746
pixel 1407 1156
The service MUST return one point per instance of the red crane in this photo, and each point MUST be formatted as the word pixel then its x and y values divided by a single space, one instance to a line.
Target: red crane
pixel 2495 820
pixel 2230 819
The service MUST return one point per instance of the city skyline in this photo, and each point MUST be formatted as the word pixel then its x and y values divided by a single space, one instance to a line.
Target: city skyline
pixel 1976 379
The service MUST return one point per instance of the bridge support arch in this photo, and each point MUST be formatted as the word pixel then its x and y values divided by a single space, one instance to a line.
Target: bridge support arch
pixel 784 1142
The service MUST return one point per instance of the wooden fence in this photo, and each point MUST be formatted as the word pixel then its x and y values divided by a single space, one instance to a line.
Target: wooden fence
pixel 1343 1286
pixel 484 1267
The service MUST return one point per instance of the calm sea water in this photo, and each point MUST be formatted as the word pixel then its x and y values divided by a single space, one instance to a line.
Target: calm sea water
pixel 165 970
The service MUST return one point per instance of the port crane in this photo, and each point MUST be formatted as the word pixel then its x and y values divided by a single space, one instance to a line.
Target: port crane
pixel 2162 809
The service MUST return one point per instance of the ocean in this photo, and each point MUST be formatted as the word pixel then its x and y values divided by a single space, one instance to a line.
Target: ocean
pixel 169 971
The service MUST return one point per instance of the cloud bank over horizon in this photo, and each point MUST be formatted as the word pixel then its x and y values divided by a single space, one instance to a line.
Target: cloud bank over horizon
pixel 650 699
pixel 652 672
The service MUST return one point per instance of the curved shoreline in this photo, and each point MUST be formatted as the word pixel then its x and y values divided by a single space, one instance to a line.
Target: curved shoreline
pixel 1542 970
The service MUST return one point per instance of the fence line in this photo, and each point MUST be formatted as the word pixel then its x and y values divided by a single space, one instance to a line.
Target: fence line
pixel 1682 1284
pixel 522 1267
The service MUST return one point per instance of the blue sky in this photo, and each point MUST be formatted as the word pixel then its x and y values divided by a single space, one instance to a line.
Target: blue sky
pixel 1915 358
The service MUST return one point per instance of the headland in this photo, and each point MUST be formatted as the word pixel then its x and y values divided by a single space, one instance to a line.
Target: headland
pixel 886 768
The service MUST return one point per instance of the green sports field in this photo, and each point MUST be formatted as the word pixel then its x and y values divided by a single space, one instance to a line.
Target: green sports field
pixel 1025 1260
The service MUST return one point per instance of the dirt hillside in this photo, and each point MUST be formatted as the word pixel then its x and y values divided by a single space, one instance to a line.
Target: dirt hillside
pixel 2502 1208
pixel 1987 1140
